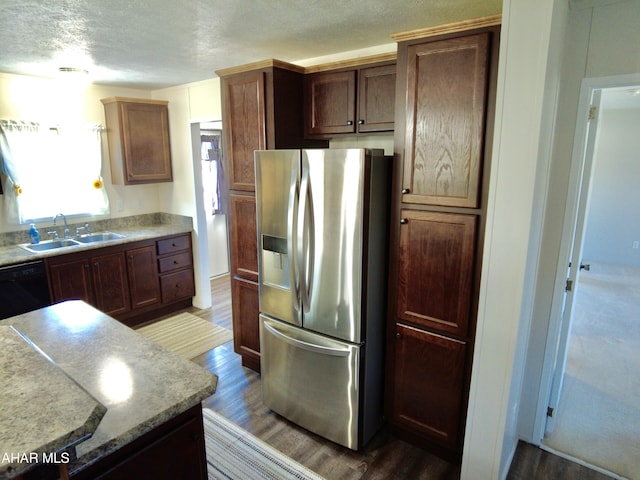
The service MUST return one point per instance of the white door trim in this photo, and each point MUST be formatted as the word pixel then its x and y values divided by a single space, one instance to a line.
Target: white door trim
pixel 588 87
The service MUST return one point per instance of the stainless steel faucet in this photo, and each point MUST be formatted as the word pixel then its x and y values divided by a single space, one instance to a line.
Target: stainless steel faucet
pixel 66 225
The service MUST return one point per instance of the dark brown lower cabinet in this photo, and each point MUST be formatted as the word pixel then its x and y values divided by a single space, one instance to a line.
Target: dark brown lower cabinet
pixel 110 283
pixel 435 269
pixel 143 276
pixel 173 450
pixel 132 282
pixel 246 325
pixel 429 372
pixel 100 280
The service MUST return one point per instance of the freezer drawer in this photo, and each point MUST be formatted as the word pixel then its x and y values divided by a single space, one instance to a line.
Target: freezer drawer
pixel 311 380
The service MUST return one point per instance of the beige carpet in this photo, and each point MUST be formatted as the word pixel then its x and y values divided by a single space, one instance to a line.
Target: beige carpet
pixel 599 412
pixel 234 453
pixel 186 334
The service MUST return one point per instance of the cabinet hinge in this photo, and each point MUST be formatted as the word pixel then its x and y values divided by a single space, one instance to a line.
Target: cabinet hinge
pixel 549 411
pixel 593 110
pixel 569 285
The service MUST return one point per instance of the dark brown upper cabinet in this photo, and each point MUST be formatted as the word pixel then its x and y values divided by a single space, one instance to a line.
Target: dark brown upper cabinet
pixel 245 126
pixel 446 80
pixel 261 110
pixel 350 101
pixel 138 137
pixel 446 85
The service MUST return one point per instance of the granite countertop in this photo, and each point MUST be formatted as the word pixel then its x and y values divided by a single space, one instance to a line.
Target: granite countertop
pixel 70 416
pixel 12 254
pixel 141 384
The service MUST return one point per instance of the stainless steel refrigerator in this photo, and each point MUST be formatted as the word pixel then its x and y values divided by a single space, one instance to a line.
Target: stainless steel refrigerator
pixel 322 220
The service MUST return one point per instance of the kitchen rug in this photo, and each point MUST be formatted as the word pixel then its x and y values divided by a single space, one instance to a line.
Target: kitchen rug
pixel 234 453
pixel 186 334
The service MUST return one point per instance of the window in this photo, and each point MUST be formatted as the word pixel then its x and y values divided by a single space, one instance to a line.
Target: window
pixel 211 155
pixel 45 171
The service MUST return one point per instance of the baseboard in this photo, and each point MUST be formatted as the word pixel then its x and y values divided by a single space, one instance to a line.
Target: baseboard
pixel 506 466
pixel 579 461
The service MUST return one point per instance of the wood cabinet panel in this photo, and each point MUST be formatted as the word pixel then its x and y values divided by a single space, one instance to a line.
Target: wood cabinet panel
pixel 143 276
pixel 445 113
pixel 70 279
pixel 110 283
pixel 245 126
pixel 246 325
pixel 175 286
pixel 100 280
pixel 139 145
pixel 331 102
pixel 174 244
pixel 243 232
pixel 435 269
pixel 175 262
pixel 175 449
pixel 334 106
pixel 429 376
pixel 376 98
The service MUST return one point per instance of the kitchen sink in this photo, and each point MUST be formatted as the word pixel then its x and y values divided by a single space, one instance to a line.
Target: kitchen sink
pixel 98 237
pixel 49 245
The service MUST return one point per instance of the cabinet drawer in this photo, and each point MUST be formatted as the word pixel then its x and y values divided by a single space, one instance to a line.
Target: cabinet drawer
pixel 173 245
pixel 174 262
pixel 175 286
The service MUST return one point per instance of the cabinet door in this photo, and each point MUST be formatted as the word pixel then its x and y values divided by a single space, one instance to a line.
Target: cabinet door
pixel 246 323
pixel 435 269
pixel 110 283
pixel 331 102
pixel 242 223
pixel 445 113
pixel 428 379
pixel 145 143
pixel 376 98
pixel 245 127
pixel 71 280
pixel 143 276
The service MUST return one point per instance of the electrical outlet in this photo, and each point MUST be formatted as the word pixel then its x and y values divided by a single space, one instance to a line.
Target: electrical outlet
pixel 636 244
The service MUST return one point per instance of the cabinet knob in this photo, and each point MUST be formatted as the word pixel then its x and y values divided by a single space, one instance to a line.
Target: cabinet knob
pixel 406 190
pixel 349 122
pixel 360 122
pixel 403 221
pixel 398 335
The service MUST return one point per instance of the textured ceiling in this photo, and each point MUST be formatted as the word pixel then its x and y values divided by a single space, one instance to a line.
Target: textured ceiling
pixel 160 43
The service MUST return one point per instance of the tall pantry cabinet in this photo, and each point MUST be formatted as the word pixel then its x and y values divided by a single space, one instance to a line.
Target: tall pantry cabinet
pixel 442 140
pixel 261 109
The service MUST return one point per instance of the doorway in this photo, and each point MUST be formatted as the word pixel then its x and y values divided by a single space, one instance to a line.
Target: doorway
pixel 597 410
pixel 211 155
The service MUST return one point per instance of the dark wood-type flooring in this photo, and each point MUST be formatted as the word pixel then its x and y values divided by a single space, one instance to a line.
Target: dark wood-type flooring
pixel 238 398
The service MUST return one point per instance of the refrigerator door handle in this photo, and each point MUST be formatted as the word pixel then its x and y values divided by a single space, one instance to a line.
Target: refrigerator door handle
pixel 335 352
pixel 292 225
pixel 305 233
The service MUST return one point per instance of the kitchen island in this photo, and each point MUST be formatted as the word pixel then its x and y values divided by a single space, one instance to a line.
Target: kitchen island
pixel 152 427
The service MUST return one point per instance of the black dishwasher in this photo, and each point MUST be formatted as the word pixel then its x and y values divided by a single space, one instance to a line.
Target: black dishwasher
pixel 23 288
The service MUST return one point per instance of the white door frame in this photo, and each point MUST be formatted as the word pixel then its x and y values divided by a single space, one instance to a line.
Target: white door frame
pixel 555 355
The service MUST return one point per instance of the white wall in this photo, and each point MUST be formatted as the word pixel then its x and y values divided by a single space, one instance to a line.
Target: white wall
pixel 518 158
pixel 601 41
pixel 49 102
pixel 613 222
pixel 188 106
